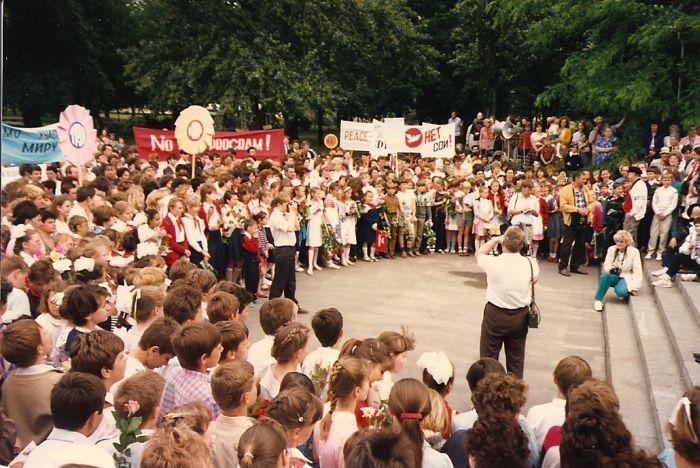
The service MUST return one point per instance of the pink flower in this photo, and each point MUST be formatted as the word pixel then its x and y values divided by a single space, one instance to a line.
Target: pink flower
pixel 133 406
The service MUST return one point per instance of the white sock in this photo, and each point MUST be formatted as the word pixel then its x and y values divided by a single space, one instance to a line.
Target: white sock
pixel 371 252
pixel 364 251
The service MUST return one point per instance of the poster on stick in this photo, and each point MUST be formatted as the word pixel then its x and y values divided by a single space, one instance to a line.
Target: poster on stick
pixel 356 136
pixel 30 145
pixel 438 141
pixel 268 144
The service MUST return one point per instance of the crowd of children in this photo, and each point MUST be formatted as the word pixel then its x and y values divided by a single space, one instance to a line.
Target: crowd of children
pixel 189 395
pixel 126 289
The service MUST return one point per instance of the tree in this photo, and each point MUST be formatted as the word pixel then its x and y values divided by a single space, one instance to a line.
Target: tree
pixel 58 53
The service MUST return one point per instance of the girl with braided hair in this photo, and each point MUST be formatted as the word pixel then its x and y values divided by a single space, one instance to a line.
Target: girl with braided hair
pixel 348 383
pixel 409 404
pixel 373 352
pixel 297 411
pixel 684 427
pixel 289 348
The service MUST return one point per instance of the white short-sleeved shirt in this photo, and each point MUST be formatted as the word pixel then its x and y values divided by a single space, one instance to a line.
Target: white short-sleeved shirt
pixel 508 279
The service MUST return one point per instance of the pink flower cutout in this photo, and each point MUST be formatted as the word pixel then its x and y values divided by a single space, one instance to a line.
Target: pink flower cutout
pixel 77 136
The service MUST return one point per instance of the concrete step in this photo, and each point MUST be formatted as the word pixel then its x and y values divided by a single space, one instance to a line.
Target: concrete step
pixel 663 371
pixel 680 321
pixel 626 372
pixel 691 292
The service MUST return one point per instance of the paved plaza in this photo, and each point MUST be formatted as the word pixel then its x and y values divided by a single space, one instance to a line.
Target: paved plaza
pixel 441 298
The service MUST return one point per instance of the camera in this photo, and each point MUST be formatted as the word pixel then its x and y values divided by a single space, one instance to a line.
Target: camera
pixel 615 271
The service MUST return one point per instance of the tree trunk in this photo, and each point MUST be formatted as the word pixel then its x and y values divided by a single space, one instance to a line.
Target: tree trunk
pixel 291 128
pixel 31 117
pixel 319 126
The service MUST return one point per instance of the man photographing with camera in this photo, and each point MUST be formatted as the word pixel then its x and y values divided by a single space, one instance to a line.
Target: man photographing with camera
pixel 508 295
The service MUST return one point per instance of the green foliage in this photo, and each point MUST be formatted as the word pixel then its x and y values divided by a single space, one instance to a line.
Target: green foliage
pixel 304 60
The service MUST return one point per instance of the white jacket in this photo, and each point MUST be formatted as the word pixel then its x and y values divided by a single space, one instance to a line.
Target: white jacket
pixel 631 269
pixel 665 200
pixel 688 246
pixel 638 193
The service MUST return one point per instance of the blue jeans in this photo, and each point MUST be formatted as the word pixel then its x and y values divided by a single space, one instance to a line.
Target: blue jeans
pixel 611 281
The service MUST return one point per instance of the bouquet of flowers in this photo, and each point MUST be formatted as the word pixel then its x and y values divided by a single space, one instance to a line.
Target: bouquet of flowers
pixel 330 240
pixel 377 417
pixel 451 208
pixel 429 234
pixel 319 377
pixel 130 433
pixel 407 233
pixel 258 409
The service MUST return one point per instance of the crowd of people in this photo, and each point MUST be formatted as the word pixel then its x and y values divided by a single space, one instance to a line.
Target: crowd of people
pixel 127 284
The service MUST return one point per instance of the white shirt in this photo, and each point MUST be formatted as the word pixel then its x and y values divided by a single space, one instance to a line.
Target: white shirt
pixel 259 354
pixel 508 279
pixel 665 200
pixel 269 385
pixel 194 231
pixel 17 306
pixel 62 227
pixel 324 357
pixel 638 193
pixel 282 225
pixel 146 233
pixel 434 459
pixel 64 447
pixel 53 325
pixel 520 202
pixel 545 416
pixel 179 230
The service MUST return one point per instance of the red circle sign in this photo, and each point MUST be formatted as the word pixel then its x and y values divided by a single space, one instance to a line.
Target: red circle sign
pixel 330 141
pixel 413 137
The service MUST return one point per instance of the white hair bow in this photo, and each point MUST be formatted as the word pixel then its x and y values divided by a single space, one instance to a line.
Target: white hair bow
pixel 84 264
pixel 438 365
pixel 58 298
pixel 124 298
pixel 120 262
pixel 18 231
pixel 62 265
pixel 146 248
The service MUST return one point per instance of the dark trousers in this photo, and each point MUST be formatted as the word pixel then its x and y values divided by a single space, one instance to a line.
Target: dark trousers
pixel 504 327
pixel 251 273
pixel 575 235
pixel 679 261
pixel 285 280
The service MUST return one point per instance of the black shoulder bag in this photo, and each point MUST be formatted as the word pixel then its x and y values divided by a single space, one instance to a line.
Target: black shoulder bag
pixel 533 312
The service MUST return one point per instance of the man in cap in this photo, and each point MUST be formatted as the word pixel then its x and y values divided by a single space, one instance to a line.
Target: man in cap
pixel 635 205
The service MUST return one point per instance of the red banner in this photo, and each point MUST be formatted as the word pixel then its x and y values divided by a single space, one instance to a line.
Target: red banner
pixel 268 144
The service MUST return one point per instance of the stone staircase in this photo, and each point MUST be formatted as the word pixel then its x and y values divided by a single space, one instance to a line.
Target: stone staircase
pixel 649 349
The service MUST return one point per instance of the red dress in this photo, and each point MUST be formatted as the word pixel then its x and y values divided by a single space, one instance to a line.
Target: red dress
pixel 176 249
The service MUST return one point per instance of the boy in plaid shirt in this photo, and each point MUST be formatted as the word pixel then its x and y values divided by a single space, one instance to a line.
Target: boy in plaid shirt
pixel 198 348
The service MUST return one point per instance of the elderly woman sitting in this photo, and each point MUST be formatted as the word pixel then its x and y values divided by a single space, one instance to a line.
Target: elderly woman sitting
pixel 622 270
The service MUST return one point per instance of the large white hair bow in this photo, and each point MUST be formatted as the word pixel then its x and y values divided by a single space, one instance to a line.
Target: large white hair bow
pixel 438 365
pixel 84 264
pixel 146 248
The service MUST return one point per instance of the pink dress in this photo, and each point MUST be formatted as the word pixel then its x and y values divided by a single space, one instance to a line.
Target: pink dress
pixel 330 451
pixel 483 213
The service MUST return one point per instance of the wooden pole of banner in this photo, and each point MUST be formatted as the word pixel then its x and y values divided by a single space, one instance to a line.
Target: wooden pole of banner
pixel 192 156
pixel 81 175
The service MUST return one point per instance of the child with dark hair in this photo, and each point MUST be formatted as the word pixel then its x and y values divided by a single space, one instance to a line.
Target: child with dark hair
pixel 328 328
pixel 379 448
pixel 234 390
pixel 234 339
pixel 84 307
pixel 273 314
pixel 77 402
pixel 198 348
